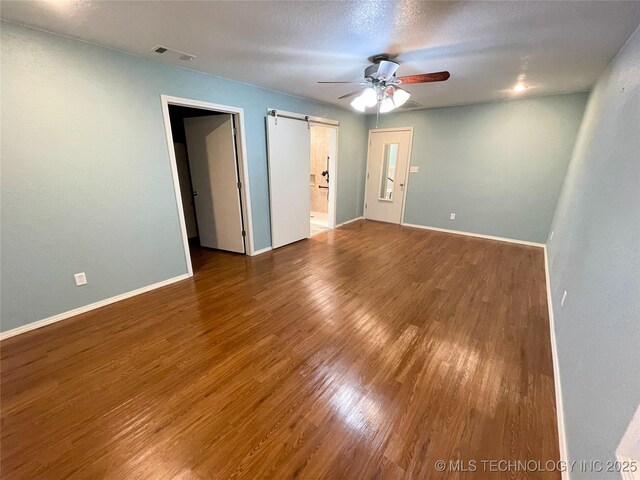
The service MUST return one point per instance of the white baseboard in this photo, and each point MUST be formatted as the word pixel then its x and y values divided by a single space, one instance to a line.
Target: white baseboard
pixel 349 221
pixel 562 439
pixel 478 235
pixel 77 311
pixel 262 250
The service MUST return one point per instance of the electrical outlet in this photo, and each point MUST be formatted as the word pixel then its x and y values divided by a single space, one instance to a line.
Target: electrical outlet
pixel 564 296
pixel 414 169
pixel 81 279
pixel 452 216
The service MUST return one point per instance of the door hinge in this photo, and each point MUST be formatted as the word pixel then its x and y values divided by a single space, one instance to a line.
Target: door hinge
pixel 244 234
pixel 367 176
pixel 234 131
pixel 365 205
pixel 239 185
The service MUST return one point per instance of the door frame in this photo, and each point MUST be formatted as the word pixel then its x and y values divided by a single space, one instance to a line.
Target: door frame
pixel 333 174
pixel 332 207
pixel 406 180
pixel 245 194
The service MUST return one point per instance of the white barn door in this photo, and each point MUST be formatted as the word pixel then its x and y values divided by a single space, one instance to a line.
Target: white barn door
pixel 289 169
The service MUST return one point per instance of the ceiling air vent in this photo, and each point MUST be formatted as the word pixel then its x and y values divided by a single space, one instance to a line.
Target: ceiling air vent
pixel 173 54
pixel 410 105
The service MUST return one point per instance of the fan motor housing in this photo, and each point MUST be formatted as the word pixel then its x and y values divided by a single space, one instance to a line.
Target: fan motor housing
pixel 372 70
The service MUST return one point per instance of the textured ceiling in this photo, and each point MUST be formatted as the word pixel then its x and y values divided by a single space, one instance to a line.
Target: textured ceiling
pixel 288 46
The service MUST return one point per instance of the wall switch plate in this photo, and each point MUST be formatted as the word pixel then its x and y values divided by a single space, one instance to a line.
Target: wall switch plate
pixel 81 279
pixel 564 296
pixel 414 169
pixel 452 216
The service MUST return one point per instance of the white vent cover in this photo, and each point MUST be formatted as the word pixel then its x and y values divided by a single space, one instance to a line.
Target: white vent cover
pixel 410 105
pixel 172 54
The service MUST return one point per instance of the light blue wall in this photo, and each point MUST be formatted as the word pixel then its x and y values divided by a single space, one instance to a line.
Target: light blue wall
pixel 86 182
pixel 595 256
pixel 498 166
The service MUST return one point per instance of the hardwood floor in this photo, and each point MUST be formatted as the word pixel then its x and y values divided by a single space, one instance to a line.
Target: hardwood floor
pixel 370 351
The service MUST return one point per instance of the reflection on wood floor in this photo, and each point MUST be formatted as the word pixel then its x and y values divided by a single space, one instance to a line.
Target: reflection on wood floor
pixel 368 351
pixel 319 222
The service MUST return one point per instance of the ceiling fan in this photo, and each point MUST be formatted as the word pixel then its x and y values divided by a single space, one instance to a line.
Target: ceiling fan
pixel 383 86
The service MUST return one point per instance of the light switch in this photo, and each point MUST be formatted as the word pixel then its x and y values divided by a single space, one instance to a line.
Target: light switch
pixel 414 169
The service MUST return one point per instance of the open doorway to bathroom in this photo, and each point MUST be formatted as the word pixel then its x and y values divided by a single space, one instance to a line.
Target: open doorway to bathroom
pixel 321 183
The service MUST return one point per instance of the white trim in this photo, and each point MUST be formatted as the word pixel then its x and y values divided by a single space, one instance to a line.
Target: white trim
pixel 92 306
pixel 406 180
pixel 562 440
pixel 394 129
pixel 262 250
pixel 478 235
pixel 349 221
pixel 245 194
pixel 333 177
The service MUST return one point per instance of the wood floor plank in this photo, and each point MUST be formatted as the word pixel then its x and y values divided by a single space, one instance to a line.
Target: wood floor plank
pixel 369 351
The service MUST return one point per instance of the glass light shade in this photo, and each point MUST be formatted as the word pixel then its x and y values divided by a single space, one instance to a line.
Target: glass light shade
pixel 369 97
pixel 400 97
pixel 358 104
pixel 387 105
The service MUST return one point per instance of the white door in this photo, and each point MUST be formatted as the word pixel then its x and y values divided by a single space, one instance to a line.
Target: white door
pixel 288 146
pixel 214 178
pixel 387 164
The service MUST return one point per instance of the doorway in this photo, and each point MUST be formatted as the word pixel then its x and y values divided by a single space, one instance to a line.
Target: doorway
pixel 302 161
pixel 323 142
pixel 387 174
pixel 206 149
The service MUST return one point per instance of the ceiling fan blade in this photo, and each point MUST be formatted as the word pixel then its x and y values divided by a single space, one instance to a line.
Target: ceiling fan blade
pixel 356 83
pixel 424 78
pixel 351 94
pixel 386 69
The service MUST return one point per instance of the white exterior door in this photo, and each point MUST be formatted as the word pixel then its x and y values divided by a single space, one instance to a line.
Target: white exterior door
pixel 387 164
pixel 214 177
pixel 289 170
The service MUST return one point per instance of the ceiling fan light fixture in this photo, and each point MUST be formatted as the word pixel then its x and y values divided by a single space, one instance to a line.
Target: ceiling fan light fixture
pixel 400 96
pixel 358 104
pixel 369 97
pixel 387 104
